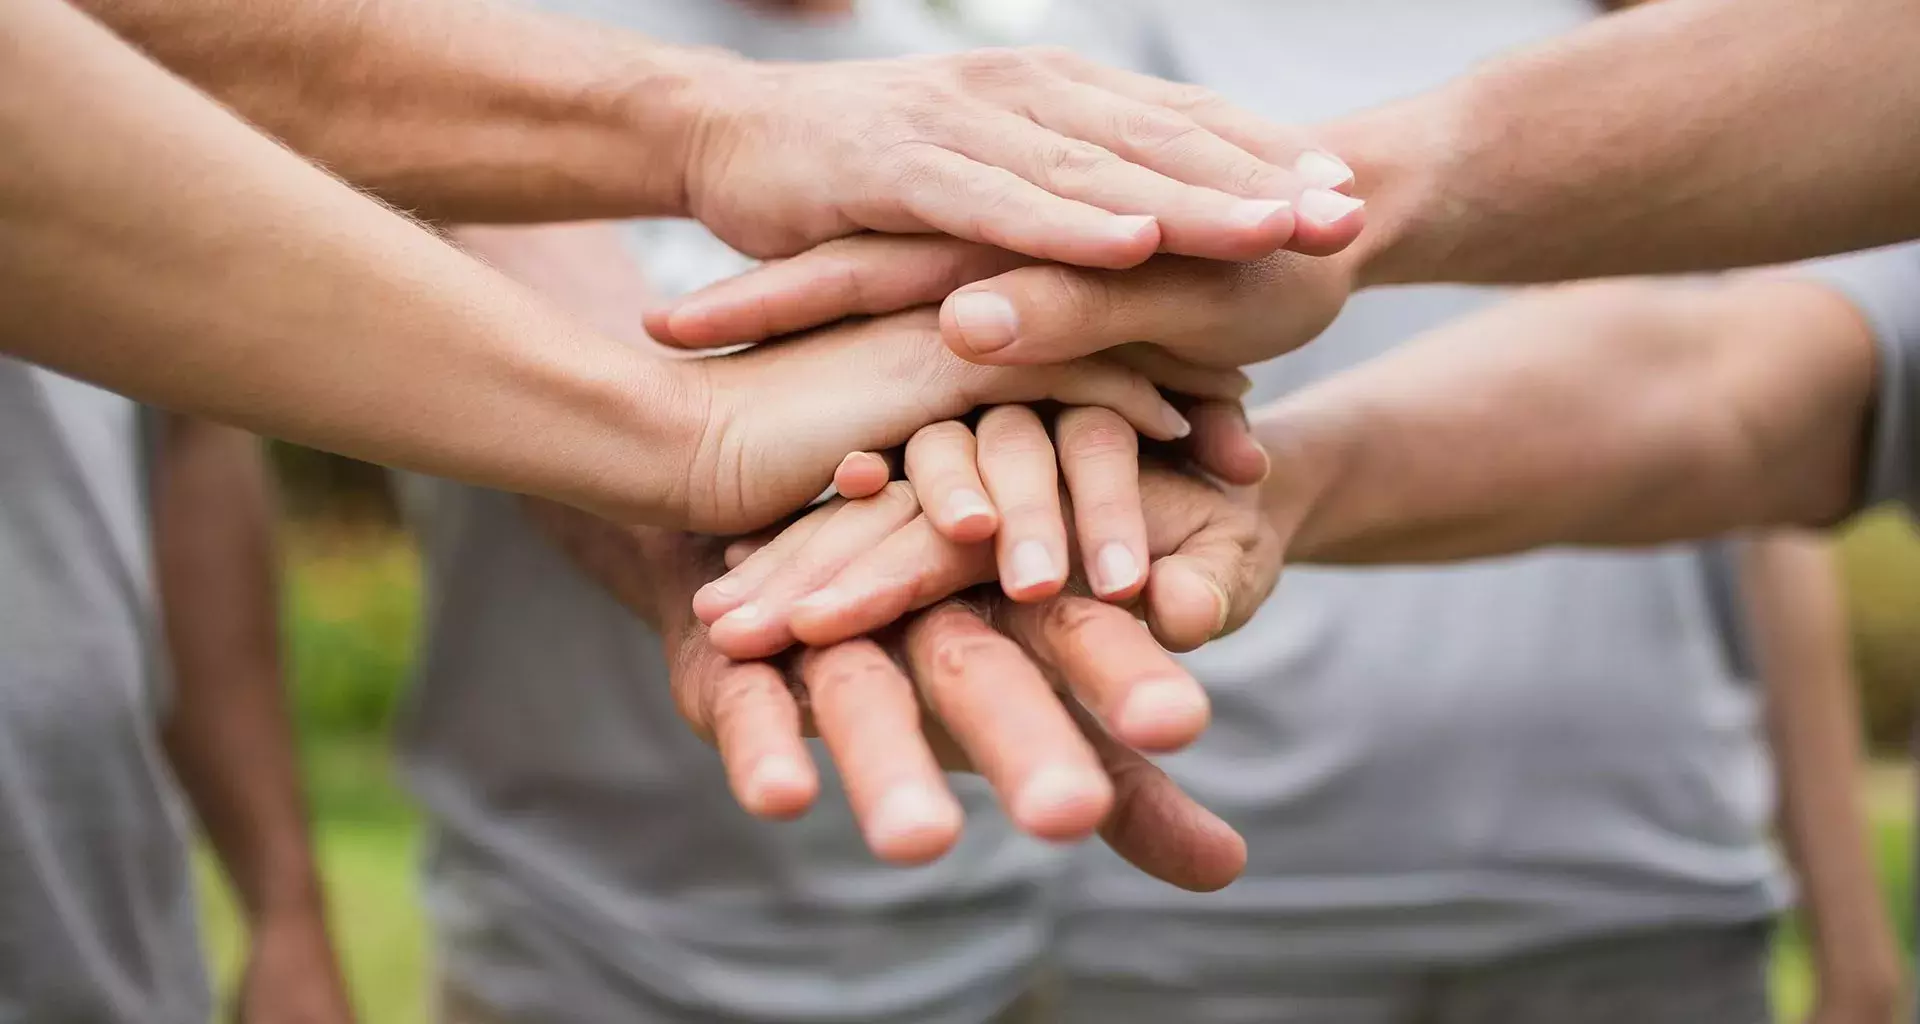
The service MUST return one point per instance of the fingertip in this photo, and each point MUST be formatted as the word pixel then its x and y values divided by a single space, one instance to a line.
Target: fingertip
pixel 658 323
pixel 967 517
pixel 1221 856
pixel 715 600
pixel 913 824
pixel 861 475
pixel 1062 804
pixel 1163 715
pixel 1116 572
pixel 978 323
pixel 1185 608
pixel 1031 572
pixel 748 632
pixel 1328 222
pixel 780 788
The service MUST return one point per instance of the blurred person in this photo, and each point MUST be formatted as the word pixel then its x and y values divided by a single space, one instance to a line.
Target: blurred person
pixel 586 861
pixel 1531 790
pixel 140 664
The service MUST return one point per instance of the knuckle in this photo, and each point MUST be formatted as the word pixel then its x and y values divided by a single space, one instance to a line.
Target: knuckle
pixel 953 651
pixel 849 667
pixel 1189 98
pixel 1063 617
pixel 1072 161
pixel 733 701
pixel 1156 127
pixel 1099 437
pixel 993 67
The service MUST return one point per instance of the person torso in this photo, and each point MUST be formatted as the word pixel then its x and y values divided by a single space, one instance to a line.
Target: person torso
pixel 588 861
pixel 99 924
pixel 1440 764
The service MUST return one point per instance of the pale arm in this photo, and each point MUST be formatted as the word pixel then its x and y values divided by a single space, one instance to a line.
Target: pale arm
pixel 1682 135
pixel 1617 413
pixel 229 736
pixel 164 250
pixel 1798 623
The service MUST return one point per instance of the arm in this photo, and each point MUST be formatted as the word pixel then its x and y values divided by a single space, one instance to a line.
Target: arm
pixel 201 268
pixel 229 737
pixel 1646 141
pixel 486 111
pixel 1614 413
pixel 1797 616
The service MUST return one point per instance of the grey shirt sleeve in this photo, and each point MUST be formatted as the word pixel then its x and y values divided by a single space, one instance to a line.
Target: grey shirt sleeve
pixel 1885 285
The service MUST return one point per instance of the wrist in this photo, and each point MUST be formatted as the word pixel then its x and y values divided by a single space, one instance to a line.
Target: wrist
pixel 1306 451
pixel 1403 155
pixel 659 101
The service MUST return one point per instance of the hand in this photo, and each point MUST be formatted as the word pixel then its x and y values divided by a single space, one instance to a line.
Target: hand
pixel 856 566
pixel 1036 151
pixel 952 691
pixel 775 421
pixel 1002 309
pixel 950 472
pixel 292 975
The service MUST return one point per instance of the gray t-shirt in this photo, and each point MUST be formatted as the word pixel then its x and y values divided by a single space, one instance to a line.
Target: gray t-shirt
pixel 98 925
pixel 1434 765
pixel 1885 285
pixel 588 863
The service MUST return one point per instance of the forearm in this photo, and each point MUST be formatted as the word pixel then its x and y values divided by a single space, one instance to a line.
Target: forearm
pixel 155 245
pixel 229 736
pixel 1796 610
pixel 454 109
pixel 1621 413
pixel 1685 135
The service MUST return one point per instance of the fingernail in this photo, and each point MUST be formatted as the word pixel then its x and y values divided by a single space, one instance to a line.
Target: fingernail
pixel 775 773
pixel 1116 569
pixel 1177 426
pixel 1219 602
pixel 909 814
pixel 986 321
pixel 1323 207
pixel 1163 707
pixel 968 504
pixel 1130 227
pixel 1252 213
pixel 1032 565
pixel 1055 792
pixel 1320 169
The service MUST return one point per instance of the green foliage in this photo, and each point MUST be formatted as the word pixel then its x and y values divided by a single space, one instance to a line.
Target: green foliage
pixel 1880 558
pixel 353 615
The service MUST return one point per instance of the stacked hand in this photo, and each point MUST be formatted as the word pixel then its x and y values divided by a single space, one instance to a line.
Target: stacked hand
pixel 981 686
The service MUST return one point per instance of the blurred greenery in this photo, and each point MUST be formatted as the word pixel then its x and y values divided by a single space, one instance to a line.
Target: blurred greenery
pixel 353 615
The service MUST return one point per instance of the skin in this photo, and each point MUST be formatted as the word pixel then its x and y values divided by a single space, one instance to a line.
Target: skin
pixel 488 112
pixel 1617 413
pixel 1641 143
pixel 110 285
pixel 1797 614
pixel 229 737
pixel 1078 684
pixel 897 712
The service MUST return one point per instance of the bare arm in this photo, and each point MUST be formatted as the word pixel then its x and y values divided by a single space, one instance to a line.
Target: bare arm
pixel 229 737
pixel 1614 413
pixel 1683 135
pixel 1797 615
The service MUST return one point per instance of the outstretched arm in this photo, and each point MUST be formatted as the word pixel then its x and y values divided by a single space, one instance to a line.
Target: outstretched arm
pixel 1614 413
pixel 1682 135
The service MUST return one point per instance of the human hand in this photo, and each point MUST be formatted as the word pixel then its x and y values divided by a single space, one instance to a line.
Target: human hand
pixel 775 421
pixel 994 690
pixel 292 975
pixel 1001 308
pixel 853 566
pixel 1037 151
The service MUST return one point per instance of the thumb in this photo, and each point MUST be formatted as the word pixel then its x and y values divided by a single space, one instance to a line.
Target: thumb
pixel 1052 312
